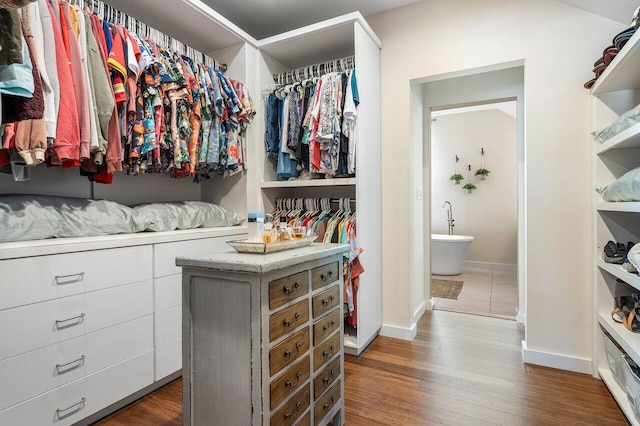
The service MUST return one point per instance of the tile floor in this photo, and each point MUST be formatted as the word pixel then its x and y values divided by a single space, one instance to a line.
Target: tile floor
pixel 485 292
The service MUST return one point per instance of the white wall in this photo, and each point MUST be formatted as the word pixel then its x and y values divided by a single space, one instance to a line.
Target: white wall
pixel 559 44
pixel 489 213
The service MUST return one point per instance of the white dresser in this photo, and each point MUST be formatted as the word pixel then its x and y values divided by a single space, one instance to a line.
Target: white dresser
pixel 263 338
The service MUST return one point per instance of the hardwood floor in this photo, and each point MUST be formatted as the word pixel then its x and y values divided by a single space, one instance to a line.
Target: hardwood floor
pixel 460 370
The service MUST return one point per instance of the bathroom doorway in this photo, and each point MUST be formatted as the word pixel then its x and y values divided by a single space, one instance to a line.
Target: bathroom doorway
pixel 474 207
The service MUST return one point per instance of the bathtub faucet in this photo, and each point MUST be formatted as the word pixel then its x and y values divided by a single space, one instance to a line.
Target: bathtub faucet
pixel 449 216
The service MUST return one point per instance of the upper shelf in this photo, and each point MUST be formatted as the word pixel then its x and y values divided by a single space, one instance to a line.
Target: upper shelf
pixel 309 183
pixel 622 73
pixel 620 206
pixel 629 138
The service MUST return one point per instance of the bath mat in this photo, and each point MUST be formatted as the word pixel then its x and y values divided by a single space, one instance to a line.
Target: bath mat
pixel 448 289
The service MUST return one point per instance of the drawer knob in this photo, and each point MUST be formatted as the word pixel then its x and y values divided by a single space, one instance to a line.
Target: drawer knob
pixel 328 353
pixel 78 362
pixel 290 384
pixel 328 275
pixel 288 323
pixel 289 415
pixel 326 326
pixel 60 324
pixel 66 279
pixel 63 412
pixel 327 301
pixel 327 379
pixel 288 291
pixel 289 354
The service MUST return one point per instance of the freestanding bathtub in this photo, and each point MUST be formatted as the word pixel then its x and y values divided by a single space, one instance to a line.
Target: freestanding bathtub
pixel 448 253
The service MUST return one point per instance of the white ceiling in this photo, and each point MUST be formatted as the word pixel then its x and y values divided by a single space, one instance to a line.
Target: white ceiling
pixel 618 10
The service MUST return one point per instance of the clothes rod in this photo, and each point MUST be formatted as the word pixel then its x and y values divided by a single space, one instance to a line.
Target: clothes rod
pixel 142 30
pixel 316 70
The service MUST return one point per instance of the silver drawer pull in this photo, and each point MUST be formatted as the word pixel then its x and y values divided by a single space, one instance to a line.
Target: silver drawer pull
pixel 326 326
pixel 289 416
pixel 289 354
pixel 324 277
pixel 60 324
pixel 78 363
pixel 328 353
pixel 327 301
pixel 65 278
pixel 60 412
pixel 287 290
pixel 326 406
pixel 327 379
pixel 288 323
pixel 290 384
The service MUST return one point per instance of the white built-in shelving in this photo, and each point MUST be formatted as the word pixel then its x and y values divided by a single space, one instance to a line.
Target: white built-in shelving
pixel 615 92
pixel 309 183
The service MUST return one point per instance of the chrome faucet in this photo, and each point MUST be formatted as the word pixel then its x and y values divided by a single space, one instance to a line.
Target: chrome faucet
pixel 449 216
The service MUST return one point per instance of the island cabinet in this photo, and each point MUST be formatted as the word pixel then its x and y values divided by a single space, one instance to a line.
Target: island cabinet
pixel 263 337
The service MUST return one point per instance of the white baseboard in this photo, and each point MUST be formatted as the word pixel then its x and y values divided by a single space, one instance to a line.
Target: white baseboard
pixel 492 266
pixel 420 311
pixel 399 332
pixel 562 362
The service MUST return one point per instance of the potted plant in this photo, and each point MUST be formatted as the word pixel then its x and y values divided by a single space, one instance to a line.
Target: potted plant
pixel 469 187
pixel 483 173
pixel 456 178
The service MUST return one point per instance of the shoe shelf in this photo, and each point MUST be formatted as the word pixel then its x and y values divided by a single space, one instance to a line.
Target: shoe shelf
pixel 630 138
pixel 621 206
pixel 302 183
pixel 622 72
pixel 628 340
pixel 618 272
pixel 619 394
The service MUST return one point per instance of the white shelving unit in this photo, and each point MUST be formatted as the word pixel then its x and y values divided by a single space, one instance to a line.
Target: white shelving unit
pixel 334 39
pixel 615 92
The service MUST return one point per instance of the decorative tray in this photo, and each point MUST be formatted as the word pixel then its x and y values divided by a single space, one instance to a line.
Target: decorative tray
pixel 246 246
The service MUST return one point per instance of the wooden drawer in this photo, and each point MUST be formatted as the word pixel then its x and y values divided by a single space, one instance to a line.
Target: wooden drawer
pixel 326 378
pixel 283 354
pixel 289 382
pixel 288 319
pixel 324 275
pixel 325 326
pixel 165 253
pixel 70 403
pixel 36 279
pixel 286 289
pixel 168 325
pixel 167 292
pixel 293 409
pixel 305 421
pixel 322 302
pixel 326 351
pixel 35 326
pixel 168 358
pixel 326 403
pixel 42 370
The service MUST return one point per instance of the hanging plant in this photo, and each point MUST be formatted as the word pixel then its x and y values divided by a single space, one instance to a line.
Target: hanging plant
pixel 483 173
pixel 469 187
pixel 456 178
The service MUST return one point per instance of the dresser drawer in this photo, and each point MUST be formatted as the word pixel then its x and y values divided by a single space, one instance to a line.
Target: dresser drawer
pixel 326 378
pixel 285 353
pixel 168 325
pixel 293 409
pixel 35 326
pixel 325 351
pixel 288 319
pixel 286 289
pixel 324 275
pixel 165 253
pixel 326 403
pixel 36 279
pixel 168 358
pixel 305 421
pixel 42 370
pixel 70 403
pixel 325 326
pixel 322 302
pixel 289 382
pixel 167 292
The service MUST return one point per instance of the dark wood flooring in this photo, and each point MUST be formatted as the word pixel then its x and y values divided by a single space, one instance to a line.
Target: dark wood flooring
pixel 460 370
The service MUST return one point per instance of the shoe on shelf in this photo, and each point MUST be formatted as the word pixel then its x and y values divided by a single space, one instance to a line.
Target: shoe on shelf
pixel 628 266
pixel 612 253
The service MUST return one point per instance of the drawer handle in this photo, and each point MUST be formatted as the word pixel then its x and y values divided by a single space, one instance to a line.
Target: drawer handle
pixel 327 354
pixel 289 415
pixel 326 406
pixel 78 363
pixel 60 412
pixel 58 278
pixel 60 324
pixel 326 326
pixel 324 277
pixel 288 323
pixel 330 300
pixel 329 378
pixel 288 353
pixel 290 384
pixel 286 290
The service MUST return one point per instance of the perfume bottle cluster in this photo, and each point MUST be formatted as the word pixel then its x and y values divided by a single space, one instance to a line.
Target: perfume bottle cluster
pixel 263 229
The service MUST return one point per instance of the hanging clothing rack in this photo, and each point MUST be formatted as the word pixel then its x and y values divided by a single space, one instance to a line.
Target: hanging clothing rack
pixel 114 16
pixel 316 70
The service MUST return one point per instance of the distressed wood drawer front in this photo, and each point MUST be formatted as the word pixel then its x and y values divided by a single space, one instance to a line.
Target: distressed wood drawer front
pixel 292 410
pixel 289 382
pixel 326 378
pixel 325 326
pixel 326 403
pixel 306 420
pixel 288 319
pixel 326 300
pixel 286 289
pixel 289 350
pixel 325 351
pixel 323 275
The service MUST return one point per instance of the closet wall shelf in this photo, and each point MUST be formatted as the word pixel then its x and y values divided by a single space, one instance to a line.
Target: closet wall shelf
pixel 618 272
pixel 619 395
pixel 628 340
pixel 309 183
pixel 622 73
pixel 630 138
pixel 622 206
